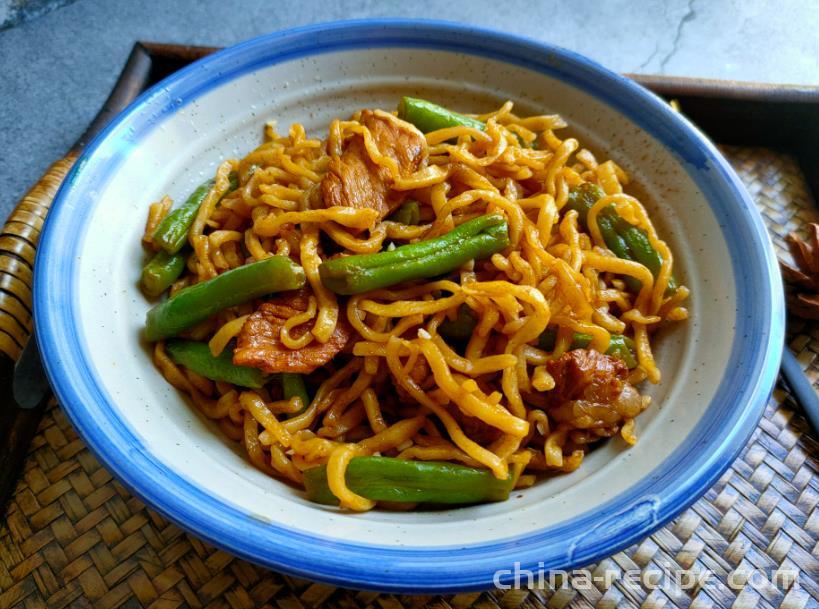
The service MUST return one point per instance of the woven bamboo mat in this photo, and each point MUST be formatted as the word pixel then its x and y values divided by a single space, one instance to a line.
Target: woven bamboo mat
pixel 74 537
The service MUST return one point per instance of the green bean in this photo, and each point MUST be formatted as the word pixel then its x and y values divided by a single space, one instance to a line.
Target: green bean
pixel 625 240
pixel 582 198
pixel 642 251
pixel 161 271
pixel 172 232
pixel 430 117
pixel 293 386
pixel 197 357
pixel 547 339
pixel 618 246
pixel 460 328
pixel 398 480
pixel 623 347
pixel 473 240
pixel 409 213
pixel 196 303
pixel 620 346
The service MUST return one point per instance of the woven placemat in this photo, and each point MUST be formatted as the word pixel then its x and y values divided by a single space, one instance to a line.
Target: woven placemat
pixel 74 537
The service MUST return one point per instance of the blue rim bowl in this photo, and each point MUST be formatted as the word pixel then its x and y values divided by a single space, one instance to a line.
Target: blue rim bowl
pixel 673 485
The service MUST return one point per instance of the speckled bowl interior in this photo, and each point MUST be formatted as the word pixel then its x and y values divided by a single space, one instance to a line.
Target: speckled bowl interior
pixel 90 311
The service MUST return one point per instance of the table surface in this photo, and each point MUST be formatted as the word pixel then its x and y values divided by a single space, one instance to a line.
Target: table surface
pixel 57 66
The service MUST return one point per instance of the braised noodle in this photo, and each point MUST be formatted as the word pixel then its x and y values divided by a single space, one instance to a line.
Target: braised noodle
pixel 400 388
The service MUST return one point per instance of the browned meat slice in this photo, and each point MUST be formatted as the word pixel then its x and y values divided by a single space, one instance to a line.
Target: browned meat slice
pixel 353 180
pixel 288 304
pixel 585 374
pixel 475 429
pixel 258 344
pixel 591 390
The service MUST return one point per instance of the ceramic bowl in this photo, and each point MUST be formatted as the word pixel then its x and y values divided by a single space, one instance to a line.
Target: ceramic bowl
pixel 718 368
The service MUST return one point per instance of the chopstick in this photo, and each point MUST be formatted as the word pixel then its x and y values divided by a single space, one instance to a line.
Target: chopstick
pixel 803 390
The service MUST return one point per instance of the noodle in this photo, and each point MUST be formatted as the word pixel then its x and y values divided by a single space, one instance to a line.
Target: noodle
pixel 403 386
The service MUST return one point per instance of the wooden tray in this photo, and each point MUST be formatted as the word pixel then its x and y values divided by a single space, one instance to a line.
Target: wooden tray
pixel 74 537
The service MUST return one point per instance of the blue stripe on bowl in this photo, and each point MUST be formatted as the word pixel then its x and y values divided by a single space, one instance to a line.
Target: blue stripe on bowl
pixel 671 487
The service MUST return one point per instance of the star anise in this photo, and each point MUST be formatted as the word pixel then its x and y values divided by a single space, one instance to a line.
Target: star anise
pixel 804 300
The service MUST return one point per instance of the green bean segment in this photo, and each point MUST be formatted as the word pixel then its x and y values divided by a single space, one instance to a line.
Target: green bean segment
pixel 409 213
pixel 473 240
pixel 623 239
pixel 196 303
pixel 623 347
pixel 398 480
pixel 460 328
pixel 196 356
pixel 430 117
pixel 172 232
pixel 293 386
pixel 620 346
pixel 161 271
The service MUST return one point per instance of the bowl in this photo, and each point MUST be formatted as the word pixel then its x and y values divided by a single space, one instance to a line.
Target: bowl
pixel 719 367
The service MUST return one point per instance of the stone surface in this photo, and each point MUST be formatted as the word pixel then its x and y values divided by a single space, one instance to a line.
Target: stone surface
pixel 56 69
pixel 13 12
